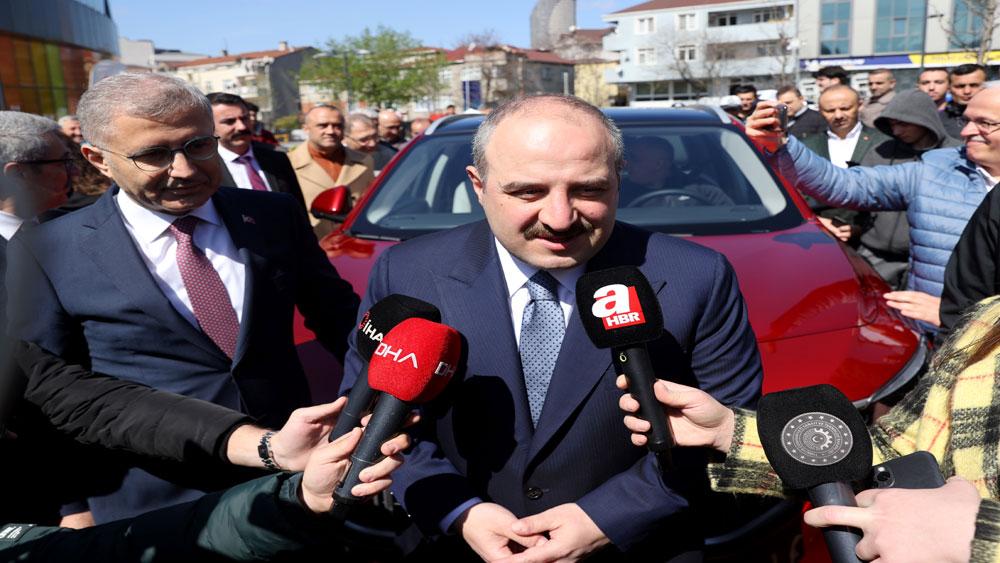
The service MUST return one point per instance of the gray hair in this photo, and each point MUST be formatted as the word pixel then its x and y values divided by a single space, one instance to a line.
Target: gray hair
pixel 355 119
pixel 143 95
pixel 22 136
pixel 66 118
pixel 520 104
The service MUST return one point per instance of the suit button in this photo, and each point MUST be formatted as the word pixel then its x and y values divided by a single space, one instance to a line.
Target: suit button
pixel 534 493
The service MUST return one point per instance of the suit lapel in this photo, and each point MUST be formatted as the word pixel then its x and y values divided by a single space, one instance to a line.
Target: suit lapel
pixel 243 231
pixel 475 290
pixel 111 248
pixel 227 177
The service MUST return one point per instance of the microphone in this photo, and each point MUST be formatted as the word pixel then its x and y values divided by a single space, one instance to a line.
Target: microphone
pixel 816 440
pixel 619 311
pixel 378 321
pixel 412 364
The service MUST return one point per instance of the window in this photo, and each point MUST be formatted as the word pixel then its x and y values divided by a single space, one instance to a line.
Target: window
pixel 899 26
pixel 444 75
pixel 835 27
pixel 546 73
pixel 687 52
pixel 645 25
pixel 775 13
pixel 208 86
pixel 721 19
pixel 228 85
pixel 472 73
pixel 768 49
pixel 966 26
pixel 721 51
pixel 645 56
pixel 686 22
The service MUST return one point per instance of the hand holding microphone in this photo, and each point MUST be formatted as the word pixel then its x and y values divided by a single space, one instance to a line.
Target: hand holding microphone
pixel 816 440
pixel 412 364
pixel 377 322
pixel 620 311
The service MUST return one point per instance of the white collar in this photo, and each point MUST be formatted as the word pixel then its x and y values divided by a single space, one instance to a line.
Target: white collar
pixel 990 180
pixel 516 272
pixel 148 225
pixel 854 133
pixel 229 156
pixel 9 224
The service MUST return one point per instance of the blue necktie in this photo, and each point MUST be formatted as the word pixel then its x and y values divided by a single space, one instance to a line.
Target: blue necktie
pixel 542 329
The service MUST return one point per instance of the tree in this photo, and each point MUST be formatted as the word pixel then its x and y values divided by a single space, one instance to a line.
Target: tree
pixel 973 26
pixel 385 68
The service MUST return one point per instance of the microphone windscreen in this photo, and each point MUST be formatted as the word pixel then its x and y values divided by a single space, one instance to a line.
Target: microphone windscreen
pixel 388 313
pixel 618 307
pixel 813 435
pixel 415 361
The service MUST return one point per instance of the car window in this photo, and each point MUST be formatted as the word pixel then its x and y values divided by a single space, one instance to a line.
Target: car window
pixel 703 179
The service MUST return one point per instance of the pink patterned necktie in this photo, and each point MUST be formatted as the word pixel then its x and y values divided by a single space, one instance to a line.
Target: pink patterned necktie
pixel 255 180
pixel 209 298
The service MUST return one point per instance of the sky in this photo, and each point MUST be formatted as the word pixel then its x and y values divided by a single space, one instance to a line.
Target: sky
pixel 208 26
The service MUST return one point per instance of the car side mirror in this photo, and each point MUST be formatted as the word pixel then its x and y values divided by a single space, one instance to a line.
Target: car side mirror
pixel 332 204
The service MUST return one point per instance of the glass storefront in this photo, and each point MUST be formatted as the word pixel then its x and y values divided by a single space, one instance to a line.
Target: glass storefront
pixel 43 77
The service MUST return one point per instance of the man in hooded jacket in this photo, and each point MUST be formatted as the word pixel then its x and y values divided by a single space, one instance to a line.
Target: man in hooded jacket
pixel 911 119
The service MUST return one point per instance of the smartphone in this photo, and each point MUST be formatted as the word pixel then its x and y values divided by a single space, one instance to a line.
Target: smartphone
pixel 782 116
pixel 918 470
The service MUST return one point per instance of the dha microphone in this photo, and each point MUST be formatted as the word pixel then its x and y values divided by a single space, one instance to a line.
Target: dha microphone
pixel 816 440
pixel 379 320
pixel 412 364
pixel 619 311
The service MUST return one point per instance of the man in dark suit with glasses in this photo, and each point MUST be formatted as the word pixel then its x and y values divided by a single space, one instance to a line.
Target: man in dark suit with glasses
pixel 171 281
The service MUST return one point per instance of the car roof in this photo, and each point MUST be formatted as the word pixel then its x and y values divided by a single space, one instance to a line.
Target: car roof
pixel 468 122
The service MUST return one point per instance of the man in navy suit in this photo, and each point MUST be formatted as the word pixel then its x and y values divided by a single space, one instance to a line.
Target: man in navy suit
pixel 509 465
pixel 171 281
pixel 243 156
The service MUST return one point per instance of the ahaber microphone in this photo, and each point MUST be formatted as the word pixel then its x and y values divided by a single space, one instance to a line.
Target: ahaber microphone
pixel 412 364
pixel 816 440
pixel 619 311
pixel 378 321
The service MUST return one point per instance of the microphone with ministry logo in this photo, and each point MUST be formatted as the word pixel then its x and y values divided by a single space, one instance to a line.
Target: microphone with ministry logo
pixel 816 440
pixel 619 311
pixel 378 321
pixel 413 363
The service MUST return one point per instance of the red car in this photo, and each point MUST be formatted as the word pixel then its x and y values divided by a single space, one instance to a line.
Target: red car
pixel 814 304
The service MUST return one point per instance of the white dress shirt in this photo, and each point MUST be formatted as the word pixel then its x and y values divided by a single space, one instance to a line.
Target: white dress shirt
pixel 150 230
pixel 516 274
pixel 238 170
pixel 9 224
pixel 990 180
pixel 841 150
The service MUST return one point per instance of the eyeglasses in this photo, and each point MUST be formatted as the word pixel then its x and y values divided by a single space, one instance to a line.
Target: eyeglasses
pixel 985 127
pixel 155 159
pixel 68 161
pixel 363 140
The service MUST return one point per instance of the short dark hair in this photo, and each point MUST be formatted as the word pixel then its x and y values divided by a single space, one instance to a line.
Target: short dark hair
pixel 254 108
pixel 969 68
pixel 881 71
pixel 933 69
pixel 786 89
pixel 226 99
pixel 745 89
pixel 837 72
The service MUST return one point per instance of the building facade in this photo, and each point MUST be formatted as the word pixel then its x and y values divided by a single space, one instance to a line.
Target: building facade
pixel 585 49
pixel 266 78
pixel 47 50
pixel 681 50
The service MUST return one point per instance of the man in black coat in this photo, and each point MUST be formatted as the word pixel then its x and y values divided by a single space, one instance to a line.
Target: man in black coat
pixel 249 164
pixel 802 121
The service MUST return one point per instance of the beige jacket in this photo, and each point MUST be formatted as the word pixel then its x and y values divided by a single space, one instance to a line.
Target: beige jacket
pixel 357 173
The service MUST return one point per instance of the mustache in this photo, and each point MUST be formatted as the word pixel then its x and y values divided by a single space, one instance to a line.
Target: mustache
pixel 542 230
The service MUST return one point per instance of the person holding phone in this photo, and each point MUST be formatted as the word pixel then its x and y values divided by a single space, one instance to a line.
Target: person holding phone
pixel 939 193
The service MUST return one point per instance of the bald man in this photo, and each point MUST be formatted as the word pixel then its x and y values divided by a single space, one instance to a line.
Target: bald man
pixel 390 129
pixel 939 193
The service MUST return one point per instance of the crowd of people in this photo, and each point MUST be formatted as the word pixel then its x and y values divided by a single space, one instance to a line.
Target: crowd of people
pixel 147 334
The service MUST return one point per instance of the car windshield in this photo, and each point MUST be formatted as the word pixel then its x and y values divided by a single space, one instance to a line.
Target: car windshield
pixel 703 179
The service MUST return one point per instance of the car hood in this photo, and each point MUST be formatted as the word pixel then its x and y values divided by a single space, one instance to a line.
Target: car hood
pixel 799 281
